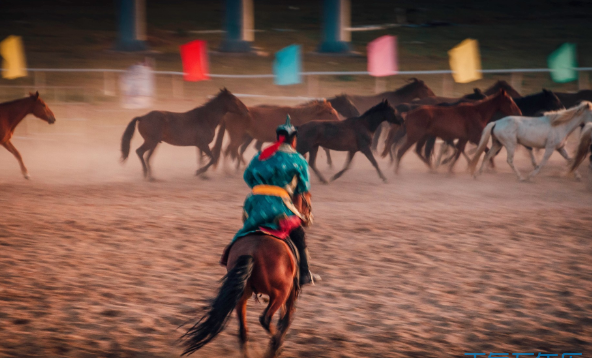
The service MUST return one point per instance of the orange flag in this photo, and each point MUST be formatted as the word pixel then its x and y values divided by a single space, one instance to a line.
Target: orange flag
pixel 14 64
pixel 465 61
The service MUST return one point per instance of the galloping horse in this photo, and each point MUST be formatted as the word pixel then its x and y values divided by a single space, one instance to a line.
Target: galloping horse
pixel 464 122
pixel 350 135
pixel 344 106
pixel 259 264
pixel 262 122
pixel 412 90
pixel 193 128
pixel 549 131
pixel 13 112
pixel 572 99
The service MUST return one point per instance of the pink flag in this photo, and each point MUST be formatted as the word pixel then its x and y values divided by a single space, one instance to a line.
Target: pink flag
pixel 382 56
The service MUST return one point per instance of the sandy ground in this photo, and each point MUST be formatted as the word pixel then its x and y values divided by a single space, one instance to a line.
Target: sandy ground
pixel 96 262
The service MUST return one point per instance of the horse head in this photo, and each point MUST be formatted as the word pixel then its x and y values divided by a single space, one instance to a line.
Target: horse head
pixel 323 110
pixel 231 103
pixel 417 89
pixel 507 104
pixel 40 109
pixel 344 106
pixel 551 101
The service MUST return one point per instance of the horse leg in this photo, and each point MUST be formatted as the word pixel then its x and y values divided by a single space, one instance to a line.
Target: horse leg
pixel 241 312
pixel 368 153
pixel 329 160
pixel 259 145
pixel 276 301
pixel 510 148
pixel 443 149
pixel 495 148
pixel 247 139
pixel 376 137
pixel 12 149
pixel 460 147
pixel 206 149
pixel 418 147
pixel 564 154
pixel 546 156
pixel 405 147
pixel 140 152
pixel 150 152
pixel 350 156
pixel 532 158
pixel 312 161
pixel 284 323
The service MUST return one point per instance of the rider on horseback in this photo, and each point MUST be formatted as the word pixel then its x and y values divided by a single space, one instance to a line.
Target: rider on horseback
pixel 278 176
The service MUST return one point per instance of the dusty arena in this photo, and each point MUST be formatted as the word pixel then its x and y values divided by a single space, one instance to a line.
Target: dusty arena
pixel 95 261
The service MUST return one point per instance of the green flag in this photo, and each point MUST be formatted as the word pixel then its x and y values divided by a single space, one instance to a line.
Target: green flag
pixel 562 63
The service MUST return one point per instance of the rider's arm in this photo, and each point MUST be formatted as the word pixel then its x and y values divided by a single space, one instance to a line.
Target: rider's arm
pixel 303 185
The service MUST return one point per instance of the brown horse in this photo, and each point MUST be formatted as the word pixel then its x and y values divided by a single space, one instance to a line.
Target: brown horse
pixel 573 99
pixel 344 106
pixel 350 135
pixel 263 121
pixel 194 128
pixel 13 112
pixel 502 85
pixel 257 264
pixel 464 121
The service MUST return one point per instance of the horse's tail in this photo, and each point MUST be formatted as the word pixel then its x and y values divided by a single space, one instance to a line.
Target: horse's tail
pixel 127 138
pixel 429 147
pixel 585 142
pixel 218 145
pixel 393 138
pixel 482 144
pixel 213 322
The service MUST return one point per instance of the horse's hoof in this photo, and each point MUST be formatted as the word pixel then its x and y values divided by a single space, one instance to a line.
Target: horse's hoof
pixel 151 179
pixel 27 176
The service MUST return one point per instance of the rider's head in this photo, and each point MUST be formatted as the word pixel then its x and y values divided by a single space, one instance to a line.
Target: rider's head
pixel 288 132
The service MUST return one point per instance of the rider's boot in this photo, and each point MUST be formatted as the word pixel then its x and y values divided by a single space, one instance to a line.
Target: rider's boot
pixel 306 277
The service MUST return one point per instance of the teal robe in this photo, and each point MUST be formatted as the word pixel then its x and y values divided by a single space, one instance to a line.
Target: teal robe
pixel 286 169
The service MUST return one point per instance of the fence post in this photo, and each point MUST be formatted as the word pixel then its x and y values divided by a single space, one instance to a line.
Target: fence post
pixel 108 84
pixel 516 81
pixel 313 86
pixel 447 85
pixel 177 87
pixel 379 85
pixel 583 80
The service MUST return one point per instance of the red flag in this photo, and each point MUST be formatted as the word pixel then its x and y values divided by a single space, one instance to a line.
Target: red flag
pixel 195 60
pixel 382 56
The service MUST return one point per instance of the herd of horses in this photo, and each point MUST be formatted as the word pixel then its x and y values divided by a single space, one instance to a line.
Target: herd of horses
pixel 412 115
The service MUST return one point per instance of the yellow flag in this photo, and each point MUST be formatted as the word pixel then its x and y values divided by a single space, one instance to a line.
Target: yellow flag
pixel 465 61
pixel 14 64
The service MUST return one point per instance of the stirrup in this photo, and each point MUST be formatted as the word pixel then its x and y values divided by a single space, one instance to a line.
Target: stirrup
pixel 310 278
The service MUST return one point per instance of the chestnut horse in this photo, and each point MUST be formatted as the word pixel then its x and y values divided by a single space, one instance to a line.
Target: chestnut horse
pixel 193 128
pixel 13 112
pixel 257 264
pixel 351 135
pixel 464 122
pixel 263 121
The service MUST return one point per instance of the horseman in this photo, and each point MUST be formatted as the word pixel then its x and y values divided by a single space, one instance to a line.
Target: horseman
pixel 278 177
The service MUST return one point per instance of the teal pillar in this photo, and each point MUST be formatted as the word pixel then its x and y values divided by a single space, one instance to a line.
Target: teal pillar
pixel 336 36
pixel 238 24
pixel 131 21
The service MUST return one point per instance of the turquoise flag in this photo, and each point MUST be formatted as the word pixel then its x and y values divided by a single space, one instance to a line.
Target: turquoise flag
pixel 562 63
pixel 287 66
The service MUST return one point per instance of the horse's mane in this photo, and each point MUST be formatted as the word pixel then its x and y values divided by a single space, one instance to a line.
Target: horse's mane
pixel 14 101
pixel 558 117
pixel 377 108
pixel 409 86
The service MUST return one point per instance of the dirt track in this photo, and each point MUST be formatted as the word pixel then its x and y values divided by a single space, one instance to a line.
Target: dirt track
pixel 96 262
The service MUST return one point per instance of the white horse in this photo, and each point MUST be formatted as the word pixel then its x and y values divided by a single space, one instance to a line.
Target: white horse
pixel 584 146
pixel 549 131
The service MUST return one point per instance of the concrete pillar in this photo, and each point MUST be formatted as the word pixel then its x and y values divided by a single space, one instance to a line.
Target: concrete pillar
pixel 131 21
pixel 239 24
pixel 336 20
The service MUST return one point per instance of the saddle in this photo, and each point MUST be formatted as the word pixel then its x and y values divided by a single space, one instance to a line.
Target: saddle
pixel 287 240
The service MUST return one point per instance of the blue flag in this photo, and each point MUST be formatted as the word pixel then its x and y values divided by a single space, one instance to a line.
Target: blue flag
pixel 287 66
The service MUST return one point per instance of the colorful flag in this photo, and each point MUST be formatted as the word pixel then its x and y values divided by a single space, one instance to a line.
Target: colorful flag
pixel 137 86
pixel 562 63
pixel 287 66
pixel 465 61
pixel 382 56
pixel 195 61
pixel 14 64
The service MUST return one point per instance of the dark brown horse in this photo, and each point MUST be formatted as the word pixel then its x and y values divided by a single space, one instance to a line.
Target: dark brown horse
pixel 263 121
pixel 502 85
pixel 350 135
pixel 573 99
pixel 464 121
pixel 194 128
pixel 257 264
pixel 12 113
pixel 344 106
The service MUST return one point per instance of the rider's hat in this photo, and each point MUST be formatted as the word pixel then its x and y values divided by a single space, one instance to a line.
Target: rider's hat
pixel 286 129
